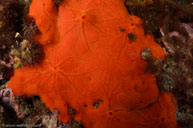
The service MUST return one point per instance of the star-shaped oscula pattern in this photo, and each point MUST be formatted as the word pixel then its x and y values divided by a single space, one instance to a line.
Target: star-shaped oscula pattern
pixel 93 65
pixel 56 77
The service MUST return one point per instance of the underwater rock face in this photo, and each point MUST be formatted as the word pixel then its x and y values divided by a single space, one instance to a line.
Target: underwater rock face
pixel 93 65
pixel 9 23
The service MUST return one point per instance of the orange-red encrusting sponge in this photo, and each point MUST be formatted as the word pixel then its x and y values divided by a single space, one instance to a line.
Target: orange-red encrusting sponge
pixel 45 14
pixel 158 115
pixel 93 65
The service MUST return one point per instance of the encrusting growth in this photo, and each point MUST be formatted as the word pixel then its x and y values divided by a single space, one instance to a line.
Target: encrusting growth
pixel 91 65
